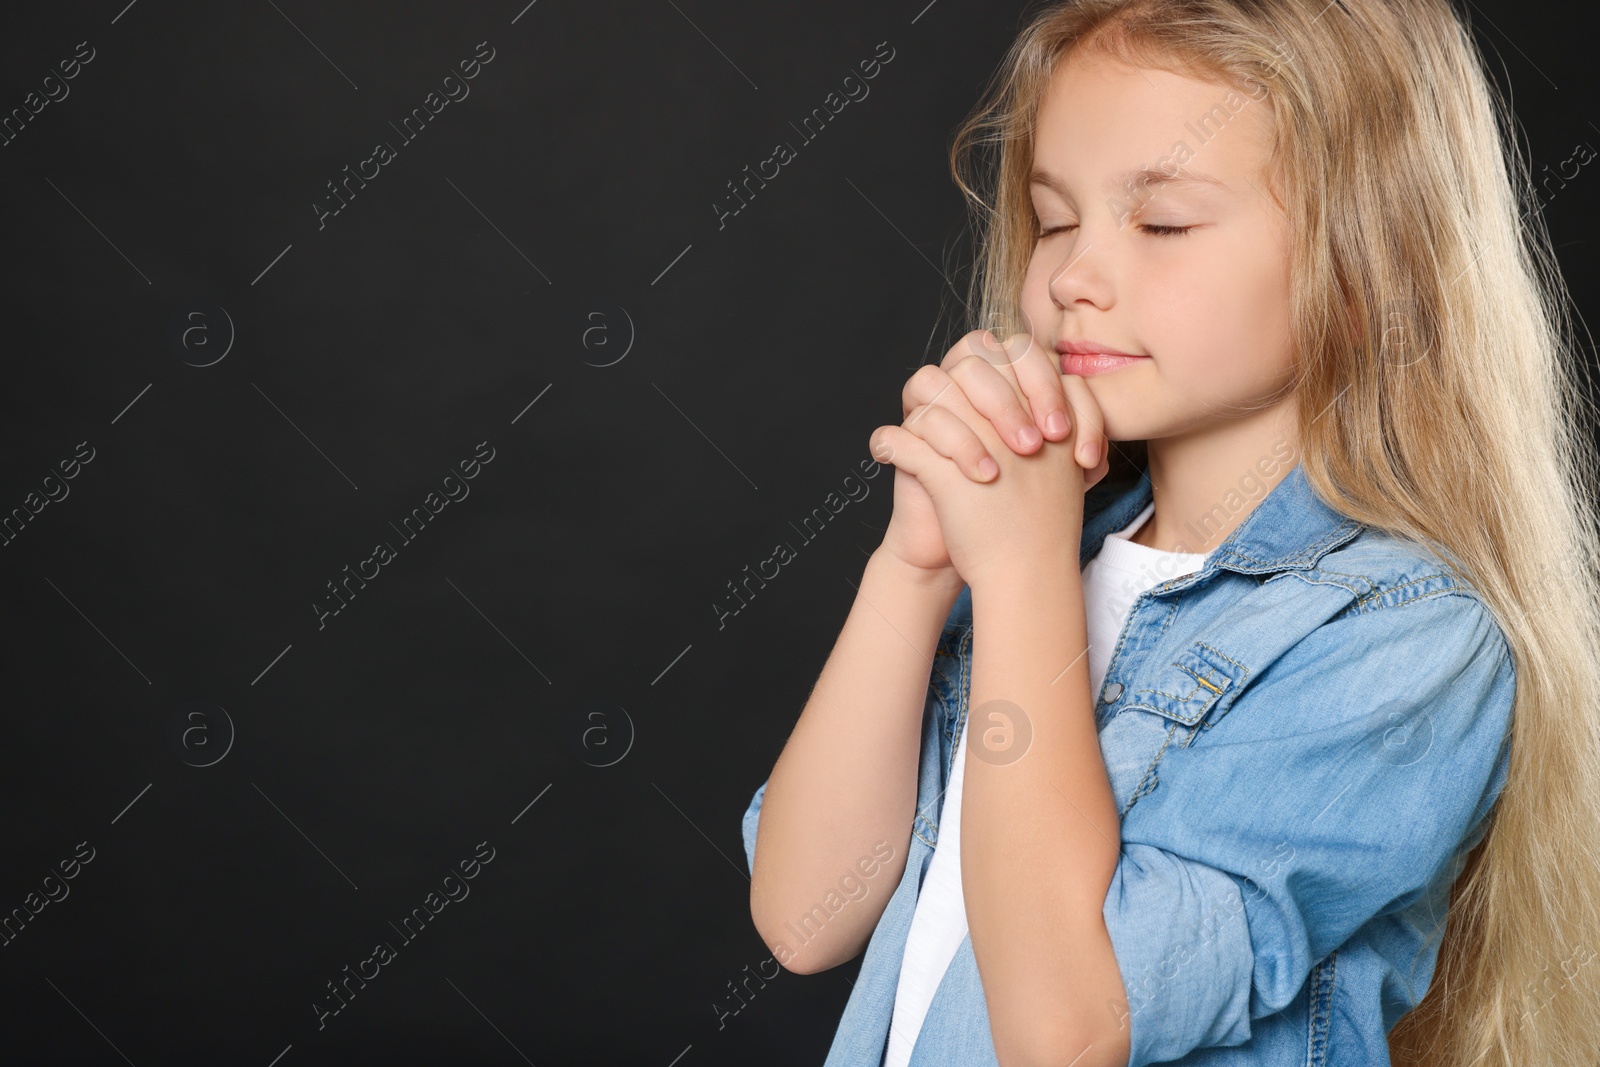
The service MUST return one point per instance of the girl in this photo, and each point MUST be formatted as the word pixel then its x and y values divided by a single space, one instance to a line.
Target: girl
pixel 1279 744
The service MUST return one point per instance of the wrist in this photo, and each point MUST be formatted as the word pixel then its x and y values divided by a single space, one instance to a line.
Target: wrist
pixel 937 581
pixel 1031 573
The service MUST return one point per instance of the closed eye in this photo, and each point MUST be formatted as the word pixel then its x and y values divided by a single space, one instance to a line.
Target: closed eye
pixel 1156 231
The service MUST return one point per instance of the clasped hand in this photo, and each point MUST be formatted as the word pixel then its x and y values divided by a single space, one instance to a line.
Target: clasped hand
pixel 992 460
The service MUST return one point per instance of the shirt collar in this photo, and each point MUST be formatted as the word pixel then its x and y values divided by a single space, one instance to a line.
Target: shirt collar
pixel 1289 530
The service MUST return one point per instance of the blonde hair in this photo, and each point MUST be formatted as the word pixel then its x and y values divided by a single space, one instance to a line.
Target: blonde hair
pixel 1441 398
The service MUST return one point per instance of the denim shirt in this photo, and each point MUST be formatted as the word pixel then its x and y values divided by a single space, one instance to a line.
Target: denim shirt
pixel 1304 739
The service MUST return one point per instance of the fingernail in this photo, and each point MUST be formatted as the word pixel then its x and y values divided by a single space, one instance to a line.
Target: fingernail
pixel 1027 436
pixel 1056 422
pixel 1091 454
pixel 988 467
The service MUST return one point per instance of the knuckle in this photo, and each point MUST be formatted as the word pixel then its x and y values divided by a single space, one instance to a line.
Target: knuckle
pixel 1016 347
pixel 970 343
pixel 964 368
pixel 927 379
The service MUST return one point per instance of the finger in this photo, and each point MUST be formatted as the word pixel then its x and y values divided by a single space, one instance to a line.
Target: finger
pixel 928 385
pixel 932 387
pixel 1090 446
pixel 952 438
pixel 1038 373
pixel 904 449
pixel 1092 478
pixel 982 370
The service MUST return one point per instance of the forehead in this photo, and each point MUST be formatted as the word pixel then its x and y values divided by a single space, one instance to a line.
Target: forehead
pixel 1101 121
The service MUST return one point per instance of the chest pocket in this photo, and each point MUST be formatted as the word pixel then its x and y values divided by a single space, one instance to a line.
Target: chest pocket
pixel 1176 704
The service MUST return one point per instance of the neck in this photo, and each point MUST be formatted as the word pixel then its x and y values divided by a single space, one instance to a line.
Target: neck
pixel 1205 484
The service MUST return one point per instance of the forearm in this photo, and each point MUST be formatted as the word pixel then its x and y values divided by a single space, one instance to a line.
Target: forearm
pixel 1040 834
pixel 847 777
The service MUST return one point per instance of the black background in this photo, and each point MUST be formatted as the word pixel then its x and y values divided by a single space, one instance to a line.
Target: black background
pixel 543 668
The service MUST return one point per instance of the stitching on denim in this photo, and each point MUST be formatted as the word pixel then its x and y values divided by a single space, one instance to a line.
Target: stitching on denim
pixel 1200 683
pixel 964 633
pixel 1327 1030
pixel 1149 774
pixel 1377 594
pixel 1441 591
pixel 943 690
pixel 1167 621
pixel 1363 579
pixel 922 816
pixel 1321 577
pixel 1241 682
pixel 1427 596
pixel 1215 651
pixel 1319 1002
pixel 963 657
pixel 963 691
pixel 1430 595
pixel 1180 697
pixel 939 650
pixel 1122 637
pixel 1290 561
pixel 1311 1014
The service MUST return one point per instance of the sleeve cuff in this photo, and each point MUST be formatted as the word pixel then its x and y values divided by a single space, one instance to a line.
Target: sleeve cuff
pixel 1183 947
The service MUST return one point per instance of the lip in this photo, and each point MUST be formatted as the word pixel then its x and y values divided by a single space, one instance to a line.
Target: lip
pixel 1083 358
pixel 1090 347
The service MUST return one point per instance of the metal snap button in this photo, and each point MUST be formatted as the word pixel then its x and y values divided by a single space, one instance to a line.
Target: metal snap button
pixel 1111 692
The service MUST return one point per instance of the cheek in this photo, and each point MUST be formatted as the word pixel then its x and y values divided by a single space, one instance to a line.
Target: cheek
pixel 1261 320
pixel 1223 321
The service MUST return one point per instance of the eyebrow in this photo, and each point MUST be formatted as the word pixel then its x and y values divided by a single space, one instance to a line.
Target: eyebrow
pixel 1138 178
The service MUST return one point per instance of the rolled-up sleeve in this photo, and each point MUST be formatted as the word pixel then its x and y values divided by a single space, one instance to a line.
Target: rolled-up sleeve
pixel 1340 785
pixel 752 815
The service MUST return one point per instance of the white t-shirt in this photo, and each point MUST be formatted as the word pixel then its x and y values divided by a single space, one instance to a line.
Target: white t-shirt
pixel 1112 580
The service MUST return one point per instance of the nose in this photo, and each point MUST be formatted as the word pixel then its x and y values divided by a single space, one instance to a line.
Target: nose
pixel 1080 275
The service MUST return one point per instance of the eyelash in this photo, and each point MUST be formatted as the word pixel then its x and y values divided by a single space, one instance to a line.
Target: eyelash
pixel 1154 231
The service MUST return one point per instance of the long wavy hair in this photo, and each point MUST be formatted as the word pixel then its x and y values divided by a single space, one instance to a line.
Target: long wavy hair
pixel 1441 396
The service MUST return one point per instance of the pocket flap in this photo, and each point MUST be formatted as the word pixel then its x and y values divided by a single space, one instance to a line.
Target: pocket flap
pixel 1189 688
